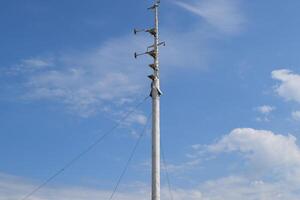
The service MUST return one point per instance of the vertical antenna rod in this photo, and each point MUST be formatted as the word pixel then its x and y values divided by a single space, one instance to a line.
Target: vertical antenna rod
pixel 153 51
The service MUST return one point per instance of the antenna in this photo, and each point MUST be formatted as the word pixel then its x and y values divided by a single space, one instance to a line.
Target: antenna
pixel 155 93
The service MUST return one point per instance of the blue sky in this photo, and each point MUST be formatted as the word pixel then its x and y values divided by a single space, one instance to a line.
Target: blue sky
pixel 230 110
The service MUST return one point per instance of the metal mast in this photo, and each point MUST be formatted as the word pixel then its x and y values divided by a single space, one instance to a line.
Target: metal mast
pixel 155 93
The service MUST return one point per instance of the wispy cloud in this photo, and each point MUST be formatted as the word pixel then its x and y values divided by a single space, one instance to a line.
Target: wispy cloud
pixel 14 188
pixel 239 187
pixel 225 15
pixel 231 187
pixel 106 77
pixel 87 83
pixel 265 111
pixel 36 62
pixel 29 65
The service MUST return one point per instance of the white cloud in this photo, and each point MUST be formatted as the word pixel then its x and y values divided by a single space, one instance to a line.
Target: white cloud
pixel 272 166
pixel 264 151
pixel 224 15
pixel 296 115
pixel 289 86
pixel 265 109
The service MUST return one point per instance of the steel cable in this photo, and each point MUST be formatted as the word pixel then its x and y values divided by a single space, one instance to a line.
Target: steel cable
pixel 84 152
pixel 129 159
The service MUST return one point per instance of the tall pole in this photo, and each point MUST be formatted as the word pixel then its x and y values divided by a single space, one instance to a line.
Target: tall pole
pixel 155 94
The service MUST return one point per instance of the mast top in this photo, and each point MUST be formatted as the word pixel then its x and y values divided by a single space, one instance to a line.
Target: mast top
pixel 153 51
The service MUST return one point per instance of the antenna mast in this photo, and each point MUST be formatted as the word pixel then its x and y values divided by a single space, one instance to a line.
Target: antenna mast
pixel 155 94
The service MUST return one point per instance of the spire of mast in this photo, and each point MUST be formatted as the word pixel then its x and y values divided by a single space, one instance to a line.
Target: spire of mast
pixel 155 93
